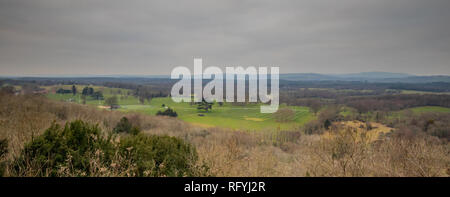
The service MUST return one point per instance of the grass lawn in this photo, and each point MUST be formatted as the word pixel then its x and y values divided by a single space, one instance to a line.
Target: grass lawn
pixel 430 109
pixel 245 117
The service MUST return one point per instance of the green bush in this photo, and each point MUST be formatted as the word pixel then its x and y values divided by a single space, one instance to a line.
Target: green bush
pixel 76 143
pixel 159 155
pixel 168 112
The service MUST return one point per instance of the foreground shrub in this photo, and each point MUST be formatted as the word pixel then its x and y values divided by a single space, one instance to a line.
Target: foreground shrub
pixel 73 146
pixel 159 155
pixel 80 149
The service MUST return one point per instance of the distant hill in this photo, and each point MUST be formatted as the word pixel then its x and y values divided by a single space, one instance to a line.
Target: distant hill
pixel 366 76
pixel 308 77
pixel 374 75
pixel 420 79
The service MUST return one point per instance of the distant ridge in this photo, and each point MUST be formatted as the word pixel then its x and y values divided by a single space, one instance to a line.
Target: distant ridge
pixel 374 75
pixel 377 77
pixel 85 76
pixel 366 76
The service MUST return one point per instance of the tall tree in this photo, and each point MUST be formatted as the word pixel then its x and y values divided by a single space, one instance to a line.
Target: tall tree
pixel 85 91
pixel 112 102
pixel 74 90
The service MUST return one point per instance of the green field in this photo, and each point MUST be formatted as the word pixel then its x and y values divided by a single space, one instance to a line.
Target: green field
pixel 418 111
pixel 339 90
pixel 430 109
pixel 419 92
pixel 124 96
pixel 247 117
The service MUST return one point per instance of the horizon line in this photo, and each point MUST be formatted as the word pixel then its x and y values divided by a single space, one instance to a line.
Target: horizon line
pixel 168 75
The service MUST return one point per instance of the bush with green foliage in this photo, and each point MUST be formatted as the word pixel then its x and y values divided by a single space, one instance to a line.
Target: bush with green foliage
pixel 75 146
pixel 327 124
pixel 159 155
pixel 76 143
pixel 168 112
pixel 87 91
pixel 63 91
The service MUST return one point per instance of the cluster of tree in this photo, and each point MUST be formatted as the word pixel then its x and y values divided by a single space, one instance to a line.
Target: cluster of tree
pixel 324 120
pixel 164 84
pixel 395 102
pixel 428 87
pixel 148 92
pixel 63 91
pixel 315 104
pixel 432 124
pixel 168 112
pixel 287 94
pixel 89 91
pixel 358 85
pixel 112 102
pixel 8 90
pixel 73 90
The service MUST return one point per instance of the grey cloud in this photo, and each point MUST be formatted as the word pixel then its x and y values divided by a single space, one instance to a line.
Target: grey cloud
pixel 152 37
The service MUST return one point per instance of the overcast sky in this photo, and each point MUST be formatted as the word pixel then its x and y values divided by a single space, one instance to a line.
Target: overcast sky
pixel 40 37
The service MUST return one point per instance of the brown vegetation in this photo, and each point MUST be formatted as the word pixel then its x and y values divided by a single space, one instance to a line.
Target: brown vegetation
pixel 235 153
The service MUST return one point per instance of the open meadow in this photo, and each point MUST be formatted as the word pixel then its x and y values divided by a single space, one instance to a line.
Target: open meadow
pixel 226 115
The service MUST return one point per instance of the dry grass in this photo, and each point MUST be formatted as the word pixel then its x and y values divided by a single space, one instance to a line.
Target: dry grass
pixel 235 153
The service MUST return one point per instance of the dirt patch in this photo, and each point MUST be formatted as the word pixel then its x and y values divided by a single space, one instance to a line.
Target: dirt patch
pixel 373 133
